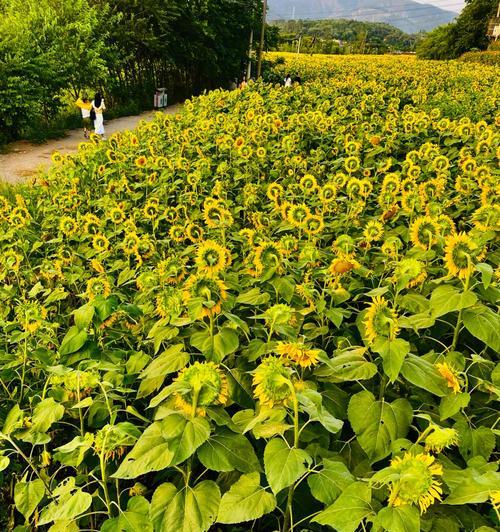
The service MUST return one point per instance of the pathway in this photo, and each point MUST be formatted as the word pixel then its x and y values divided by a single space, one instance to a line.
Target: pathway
pixel 24 159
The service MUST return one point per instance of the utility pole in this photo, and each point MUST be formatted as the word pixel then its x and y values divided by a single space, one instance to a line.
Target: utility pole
pixel 250 51
pixel 298 44
pixel 262 36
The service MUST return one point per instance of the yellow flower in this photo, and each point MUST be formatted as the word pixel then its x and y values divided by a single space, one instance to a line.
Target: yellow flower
pixel 267 255
pixel 141 161
pixel 415 481
pixel 68 226
pixel 308 184
pixel 131 243
pixel 314 224
pixel 495 502
pixel 439 439
pixel 423 232
pixel 342 264
pixel 206 385
pixel 98 286
pixel 177 233
pixel 459 252
pixel 274 191
pixel 450 376
pixel 117 215
pixel 373 231
pixel 297 215
pixel 210 292
pixel 31 314
pixel 100 243
pixel 211 257
pixel 271 381
pixel 297 352
pixel 410 272
pixel 380 320
pixel 487 218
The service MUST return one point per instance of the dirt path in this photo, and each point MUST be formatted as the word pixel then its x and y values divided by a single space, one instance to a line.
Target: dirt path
pixel 24 159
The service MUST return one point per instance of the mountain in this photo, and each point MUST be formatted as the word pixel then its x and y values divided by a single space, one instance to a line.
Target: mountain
pixel 407 15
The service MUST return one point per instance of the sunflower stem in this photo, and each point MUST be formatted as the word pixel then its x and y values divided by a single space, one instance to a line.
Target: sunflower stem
pixel 456 332
pixel 288 522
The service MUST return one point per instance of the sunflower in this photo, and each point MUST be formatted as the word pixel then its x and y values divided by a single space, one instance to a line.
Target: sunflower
pixel 274 191
pixel 352 164
pixel 100 243
pixel 271 381
pixel 413 171
pixel 298 353
pixel 440 163
pixel 314 224
pixel 449 375
pixel 308 184
pixel 216 216
pixel 373 231
pixel 297 214
pixel 141 161
pixel 414 481
pixel 440 438
pixel 91 224
pixel 204 385
pixel 68 226
pixel 98 286
pixel 211 257
pixel 328 193
pixel 11 261
pixel 177 233
pixel 423 232
pixel 380 320
pixel 169 302
pixel 409 273
pixel 171 214
pixel 194 232
pixel 487 218
pixel 31 315
pixel 117 215
pixel 495 502
pixel 151 210
pixel 391 246
pixel 130 244
pixel 210 292
pixel 97 266
pixel 344 244
pixel 342 264
pixel 459 252
pixel 391 183
pixel 267 255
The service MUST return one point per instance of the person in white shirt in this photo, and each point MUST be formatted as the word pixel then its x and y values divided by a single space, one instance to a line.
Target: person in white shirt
pixel 288 80
pixel 99 108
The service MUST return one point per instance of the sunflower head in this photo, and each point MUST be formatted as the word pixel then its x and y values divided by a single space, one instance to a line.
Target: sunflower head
pixel 440 438
pixel 314 224
pixel 352 164
pixel 271 381
pixel 208 291
pixel 487 218
pixel 450 375
pixel 459 254
pixel 380 321
pixel 211 257
pixel 373 231
pixel 279 314
pixel 308 184
pixel 298 214
pixel 274 192
pixel 298 353
pixel 169 302
pixel 343 264
pixel 415 481
pixel 424 232
pixel 98 287
pixel 267 255
pixel 171 270
pixel 31 315
pixel 203 385
pixel 68 226
pixel 100 243
pixel 177 233
pixel 409 273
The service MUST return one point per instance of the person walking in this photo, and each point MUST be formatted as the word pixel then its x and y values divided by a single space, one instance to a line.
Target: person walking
pixel 85 106
pixel 99 108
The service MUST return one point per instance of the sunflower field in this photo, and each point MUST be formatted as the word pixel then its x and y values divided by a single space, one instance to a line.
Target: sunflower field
pixel 274 311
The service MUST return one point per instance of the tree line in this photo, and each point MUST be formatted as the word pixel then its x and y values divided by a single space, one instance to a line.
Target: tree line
pixel 52 50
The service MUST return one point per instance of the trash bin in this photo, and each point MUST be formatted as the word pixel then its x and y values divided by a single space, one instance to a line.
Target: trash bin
pixel 161 98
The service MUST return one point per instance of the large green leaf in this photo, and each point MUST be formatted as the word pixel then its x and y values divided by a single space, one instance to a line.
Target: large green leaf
pixel 283 464
pixel 474 490
pixel 423 374
pixel 160 500
pixel 133 519
pixel 27 496
pixel 170 361
pixel 393 353
pixel 164 443
pixel 73 453
pixel 399 519
pixel 227 451
pixel 312 402
pixel 223 343
pixel 66 507
pixel 330 482
pixel 46 413
pixel 189 509
pixel 246 500
pixel 349 365
pixel 484 324
pixel 73 341
pixel 447 298
pixel 452 403
pixel 83 316
pixel 475 442
pixel 347 512
pixel 378 424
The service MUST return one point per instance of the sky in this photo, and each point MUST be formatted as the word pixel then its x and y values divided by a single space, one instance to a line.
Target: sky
pixel 449 5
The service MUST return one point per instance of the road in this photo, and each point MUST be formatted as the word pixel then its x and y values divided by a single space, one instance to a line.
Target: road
pixel 24 159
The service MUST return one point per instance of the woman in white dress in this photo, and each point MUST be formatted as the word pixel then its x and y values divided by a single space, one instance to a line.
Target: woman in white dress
pixel 99 108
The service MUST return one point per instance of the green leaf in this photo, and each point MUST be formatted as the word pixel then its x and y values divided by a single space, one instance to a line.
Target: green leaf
pixel 253 297
pixel 73 341
pixel 347 512
pixel 312 402
pixel 246 500
pixel 423 374
pixel 486 273
pixel 73 453
pixel 447 298
pixel 4 462
pixel 378 424
pixel 133 519
pixel 283 464
pixel 164 443
pixel 330 482
pixel 393 353
pixel 224 343
pixel 27 496
pixel 399 519
pixel 13 421
pixel 227 451
pixel 67 507
pixel 474 490
pixel 83 316
pixel 452 403
pixel 162 497
pixel 475 442
pixel 46 413
pixel 153 376
pixel 484 324
pixel 190 509
pixel 347 366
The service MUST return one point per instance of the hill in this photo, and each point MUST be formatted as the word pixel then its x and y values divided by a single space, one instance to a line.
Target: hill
pixel 339 36
pixel 407 15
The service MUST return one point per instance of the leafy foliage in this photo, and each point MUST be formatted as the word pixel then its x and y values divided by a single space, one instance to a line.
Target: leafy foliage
pixel 277 307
